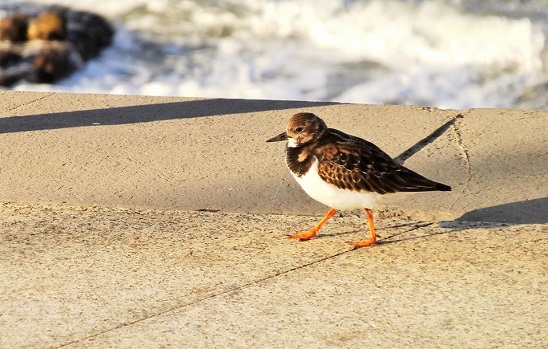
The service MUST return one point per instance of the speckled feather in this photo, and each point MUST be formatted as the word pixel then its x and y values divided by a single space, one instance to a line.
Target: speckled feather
pixel 351 163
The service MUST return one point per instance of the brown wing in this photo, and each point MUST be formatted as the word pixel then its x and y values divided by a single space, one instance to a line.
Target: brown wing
pixel 355 164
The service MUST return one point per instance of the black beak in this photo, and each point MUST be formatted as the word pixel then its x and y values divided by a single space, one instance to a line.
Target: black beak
pixel 281 137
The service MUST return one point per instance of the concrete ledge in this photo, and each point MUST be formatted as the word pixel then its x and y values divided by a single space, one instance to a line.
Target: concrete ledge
pixel 138 151
pixel 103 271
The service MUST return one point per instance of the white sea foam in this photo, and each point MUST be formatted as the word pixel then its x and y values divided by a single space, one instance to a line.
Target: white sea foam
pixel 378 51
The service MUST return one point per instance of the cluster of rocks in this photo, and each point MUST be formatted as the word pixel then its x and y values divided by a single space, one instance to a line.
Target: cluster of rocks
pixel 46 44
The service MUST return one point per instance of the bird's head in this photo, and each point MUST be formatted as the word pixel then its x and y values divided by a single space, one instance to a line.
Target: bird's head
pixel 302 128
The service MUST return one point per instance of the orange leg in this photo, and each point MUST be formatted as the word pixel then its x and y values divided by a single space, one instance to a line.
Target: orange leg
pixel 372 236
pixel 307 235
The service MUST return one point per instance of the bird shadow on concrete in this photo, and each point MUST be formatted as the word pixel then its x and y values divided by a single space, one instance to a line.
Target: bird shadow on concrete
pixel 533 211
pixel 145 113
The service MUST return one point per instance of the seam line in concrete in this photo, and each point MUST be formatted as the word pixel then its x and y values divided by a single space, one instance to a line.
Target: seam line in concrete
pixel 465 155
pixel 417 225
pixel 31 102
pixel 276 193
pixel 222 293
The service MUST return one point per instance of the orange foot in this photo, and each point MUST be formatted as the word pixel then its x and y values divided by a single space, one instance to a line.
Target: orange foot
pixel 372 235
pixel 305 235
pixel 363 243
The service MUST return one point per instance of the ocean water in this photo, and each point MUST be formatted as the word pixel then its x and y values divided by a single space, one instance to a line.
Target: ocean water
pixel 447 54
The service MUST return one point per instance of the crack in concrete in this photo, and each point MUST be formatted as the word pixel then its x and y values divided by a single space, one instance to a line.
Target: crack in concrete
pixel 277 192
pixel 218 294
pixel 416 226
pixel 31 102
pixel 465 155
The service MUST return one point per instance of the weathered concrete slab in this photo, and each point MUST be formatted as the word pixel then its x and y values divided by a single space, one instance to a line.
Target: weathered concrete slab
pixel 96 277
pixel 210 153
pixel 72 272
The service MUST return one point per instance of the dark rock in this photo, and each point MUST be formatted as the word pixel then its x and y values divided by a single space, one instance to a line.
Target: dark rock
pixel 14 28
pixel 52 64
pixel 48 26
pixel 43 44
pixel 8 58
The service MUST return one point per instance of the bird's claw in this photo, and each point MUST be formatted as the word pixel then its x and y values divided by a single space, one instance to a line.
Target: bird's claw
pixel 304 235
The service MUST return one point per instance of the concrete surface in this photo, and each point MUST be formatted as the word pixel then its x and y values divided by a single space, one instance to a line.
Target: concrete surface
pixel 103 244
pixel 211 153
pixel 95 277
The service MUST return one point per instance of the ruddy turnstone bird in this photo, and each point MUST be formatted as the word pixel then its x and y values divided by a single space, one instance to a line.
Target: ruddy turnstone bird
pixel 344 172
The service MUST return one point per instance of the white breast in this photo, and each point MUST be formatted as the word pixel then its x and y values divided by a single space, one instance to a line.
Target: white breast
pixel 332 196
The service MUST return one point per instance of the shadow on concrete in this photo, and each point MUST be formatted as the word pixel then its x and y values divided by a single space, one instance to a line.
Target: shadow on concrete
pixel 521 212
pixel 145 113
pixel 384 235
pixel 402 158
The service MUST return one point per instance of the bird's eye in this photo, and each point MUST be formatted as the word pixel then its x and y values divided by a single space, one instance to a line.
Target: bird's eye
pixel 298 129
